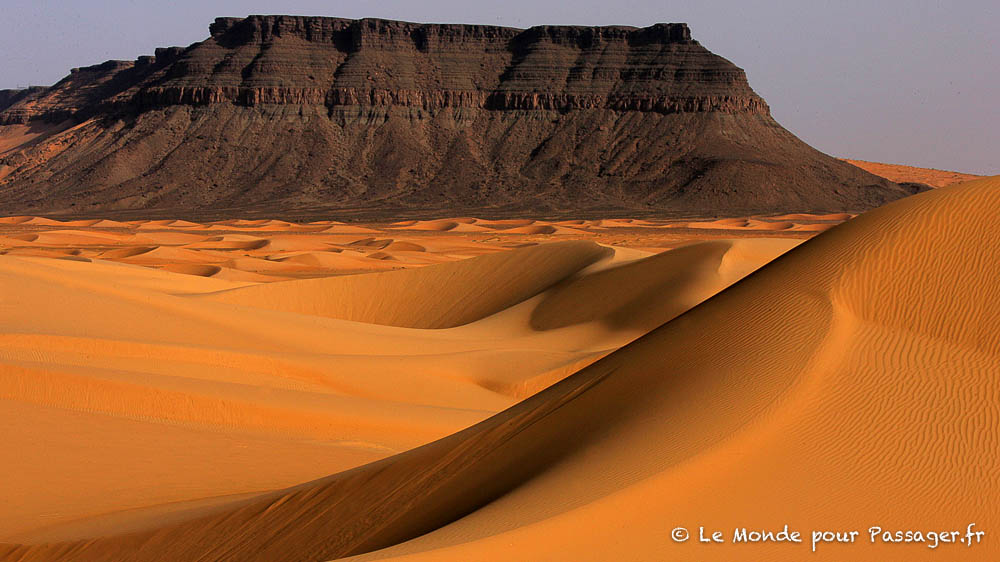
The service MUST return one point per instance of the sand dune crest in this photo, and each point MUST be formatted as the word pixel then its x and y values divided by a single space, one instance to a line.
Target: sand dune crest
pixel 452 294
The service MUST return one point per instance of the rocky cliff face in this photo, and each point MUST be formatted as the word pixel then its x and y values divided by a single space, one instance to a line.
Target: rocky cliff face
pixel 296 113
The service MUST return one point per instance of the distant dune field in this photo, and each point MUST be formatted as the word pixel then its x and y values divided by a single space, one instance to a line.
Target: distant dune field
pixel 462 389
pixel 257 251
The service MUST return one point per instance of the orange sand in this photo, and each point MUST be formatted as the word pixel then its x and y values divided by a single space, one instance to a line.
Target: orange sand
pixel 273 250
pixel 899 173
pixel 574 400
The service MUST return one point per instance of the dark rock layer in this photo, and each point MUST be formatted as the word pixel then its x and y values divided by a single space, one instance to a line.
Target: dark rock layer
pixel 303 115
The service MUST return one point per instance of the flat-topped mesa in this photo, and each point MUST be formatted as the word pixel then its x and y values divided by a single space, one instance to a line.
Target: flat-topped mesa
pixel 381 119
pixel 258 28
pixel 342 62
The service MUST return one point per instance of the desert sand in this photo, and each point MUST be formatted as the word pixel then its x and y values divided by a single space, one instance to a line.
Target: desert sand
pixel 899 173
pixel 255 251
pixel 524 390
pixel 189 374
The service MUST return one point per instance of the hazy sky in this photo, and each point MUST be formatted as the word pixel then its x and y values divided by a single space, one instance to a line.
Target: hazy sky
pixel 909 82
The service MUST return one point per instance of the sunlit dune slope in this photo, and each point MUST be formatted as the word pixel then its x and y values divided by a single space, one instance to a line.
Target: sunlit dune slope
pixel 844 385
pixel 852 382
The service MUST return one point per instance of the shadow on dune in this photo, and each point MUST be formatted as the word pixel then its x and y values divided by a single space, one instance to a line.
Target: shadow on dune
pixel 681 389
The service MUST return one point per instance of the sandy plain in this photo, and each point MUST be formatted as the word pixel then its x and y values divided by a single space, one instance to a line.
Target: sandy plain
pixel 899 173
pixel 463 389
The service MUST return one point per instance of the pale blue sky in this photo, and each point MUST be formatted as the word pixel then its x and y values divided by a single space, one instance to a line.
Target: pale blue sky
pixel 909 82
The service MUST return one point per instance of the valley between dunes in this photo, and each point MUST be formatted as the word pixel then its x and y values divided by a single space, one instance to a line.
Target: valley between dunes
pixel 465 389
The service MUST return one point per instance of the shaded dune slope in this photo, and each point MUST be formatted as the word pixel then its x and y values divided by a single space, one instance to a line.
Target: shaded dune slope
pixel 801 395
pixel 658 287
pixel 441 296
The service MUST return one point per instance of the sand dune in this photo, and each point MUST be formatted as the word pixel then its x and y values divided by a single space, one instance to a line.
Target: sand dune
pixel 508 226
pixel 219 272
pixel 837 387
pixel 224 244
pixel 441 296
pixel 79 238
pixel 899 173
pixel 262 247
pixel 833 217
pixel 144 362
pixel 659 287
pixel 30 221
pixel 168 237
pixel 297 243
pixel 802 396
pixel 341 261
pixel 815 227
pixel 433 226
pixel 185 224
pixel 405 246
pixel 348 229
pixel 543 229
pixel 170 254
pixel 795 397
pixel 770 224
pixel 460 224
pixel 507 222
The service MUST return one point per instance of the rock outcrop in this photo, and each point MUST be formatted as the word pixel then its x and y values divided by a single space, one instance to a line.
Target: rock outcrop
pixel 301 115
